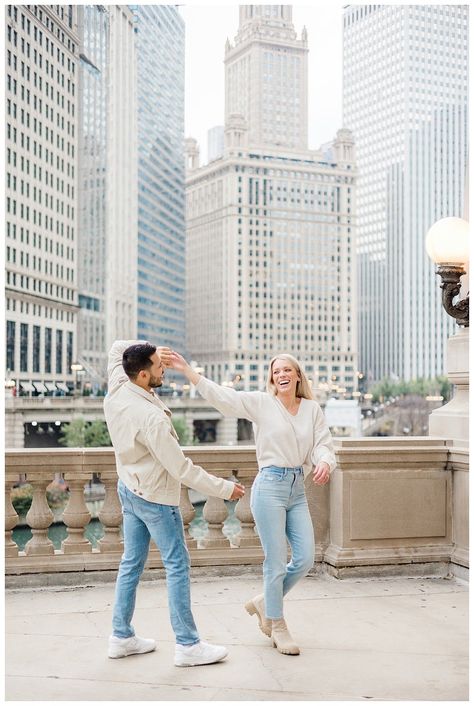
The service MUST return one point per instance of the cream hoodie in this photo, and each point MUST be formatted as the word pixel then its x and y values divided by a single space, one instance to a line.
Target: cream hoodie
pixel 149 459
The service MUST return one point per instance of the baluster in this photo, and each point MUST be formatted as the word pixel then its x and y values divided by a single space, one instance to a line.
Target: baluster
pixel 215 512
pixel 111 518
pixel 11 520
pixel 246 537
pixel 76 516
pixel 187 513
pixel 39 518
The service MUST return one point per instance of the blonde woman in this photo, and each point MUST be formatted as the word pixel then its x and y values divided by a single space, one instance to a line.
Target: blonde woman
pixel 292 440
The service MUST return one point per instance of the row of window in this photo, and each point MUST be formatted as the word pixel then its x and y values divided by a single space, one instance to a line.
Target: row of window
pixel 25 93
pixel 37 193
pixel 38 264
pixel 39 286
pixel 43 17
pixel 38 107
pixel 43 312
pixel 48 242
pixel 37 216
pixel 25 164
pixel 30 341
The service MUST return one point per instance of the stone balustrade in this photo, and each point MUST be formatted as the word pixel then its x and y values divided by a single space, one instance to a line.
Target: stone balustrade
pixel 77 467
pixel 389 504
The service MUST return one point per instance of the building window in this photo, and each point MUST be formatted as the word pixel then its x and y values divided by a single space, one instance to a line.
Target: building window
pixel 47 349
pixel 69 350
pixel 59 351
pixel 36 348
pixel 23 348
pixel 11 345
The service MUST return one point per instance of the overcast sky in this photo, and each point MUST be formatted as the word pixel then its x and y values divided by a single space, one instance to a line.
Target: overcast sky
pixel 208 26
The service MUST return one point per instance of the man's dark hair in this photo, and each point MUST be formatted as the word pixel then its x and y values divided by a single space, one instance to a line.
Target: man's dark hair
pixel 137 357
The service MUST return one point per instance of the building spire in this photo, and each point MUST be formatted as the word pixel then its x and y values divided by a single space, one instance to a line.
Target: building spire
pixel 265 21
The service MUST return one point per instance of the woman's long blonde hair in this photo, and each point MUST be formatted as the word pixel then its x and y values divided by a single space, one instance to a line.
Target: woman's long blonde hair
pixel 303 388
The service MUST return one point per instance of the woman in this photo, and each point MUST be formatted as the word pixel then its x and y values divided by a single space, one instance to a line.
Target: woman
pixel 292 438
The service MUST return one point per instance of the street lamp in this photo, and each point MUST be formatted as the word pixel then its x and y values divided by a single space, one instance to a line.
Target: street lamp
pixel 447 244
pixel 76 369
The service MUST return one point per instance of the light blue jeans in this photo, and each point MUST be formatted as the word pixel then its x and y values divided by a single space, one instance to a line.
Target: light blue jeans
pixel 143 520
pixel 280 509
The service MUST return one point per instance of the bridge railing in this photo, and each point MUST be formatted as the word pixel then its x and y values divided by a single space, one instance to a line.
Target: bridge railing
pixel 390 503
pixel 39 467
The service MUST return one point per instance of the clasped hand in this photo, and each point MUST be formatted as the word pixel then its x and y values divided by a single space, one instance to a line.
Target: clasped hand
pixel 321 473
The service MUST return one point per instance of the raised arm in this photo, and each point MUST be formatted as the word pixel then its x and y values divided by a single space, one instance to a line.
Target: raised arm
pixel 231 403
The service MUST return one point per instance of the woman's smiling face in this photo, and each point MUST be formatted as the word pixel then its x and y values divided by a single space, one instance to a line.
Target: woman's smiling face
pixel 284 377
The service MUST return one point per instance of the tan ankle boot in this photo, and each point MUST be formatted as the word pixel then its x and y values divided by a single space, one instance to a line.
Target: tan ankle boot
pixel 282 640
pixel 257 607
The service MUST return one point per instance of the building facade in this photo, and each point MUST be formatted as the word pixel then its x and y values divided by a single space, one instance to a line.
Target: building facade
pixel 270 248
pixel 92 171
pixel 405 101
pixel 215 143
pixel 161 197
pixel 107 184
pixel 42 47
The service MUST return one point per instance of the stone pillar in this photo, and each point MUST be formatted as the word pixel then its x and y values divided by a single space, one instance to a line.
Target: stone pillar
pixel 451 421
pixel 76 516
pixel 39 518
pixel 227 431
pixel 14 427
pixel 111 518
pixel 11 520
pixel 215 513
pixel 247 536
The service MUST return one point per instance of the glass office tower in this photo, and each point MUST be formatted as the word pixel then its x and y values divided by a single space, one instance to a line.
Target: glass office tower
pixel 405 100
pixel 161 198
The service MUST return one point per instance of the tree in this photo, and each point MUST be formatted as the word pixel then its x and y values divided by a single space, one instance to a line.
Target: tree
pixel 80 433
pixel 182 430
pixel 421 387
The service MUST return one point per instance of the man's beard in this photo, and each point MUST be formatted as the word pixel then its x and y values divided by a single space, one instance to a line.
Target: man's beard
pixel 155 382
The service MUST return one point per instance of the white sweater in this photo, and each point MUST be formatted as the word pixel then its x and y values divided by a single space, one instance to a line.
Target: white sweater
pixel 281 439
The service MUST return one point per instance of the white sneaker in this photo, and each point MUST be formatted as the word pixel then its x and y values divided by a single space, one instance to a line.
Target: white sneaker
pixel 200 653
pixel 124 646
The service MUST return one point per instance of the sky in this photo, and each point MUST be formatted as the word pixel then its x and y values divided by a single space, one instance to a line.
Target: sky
pixel 207 28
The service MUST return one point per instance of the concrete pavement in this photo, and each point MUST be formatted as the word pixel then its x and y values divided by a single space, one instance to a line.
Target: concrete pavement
pixel 360 639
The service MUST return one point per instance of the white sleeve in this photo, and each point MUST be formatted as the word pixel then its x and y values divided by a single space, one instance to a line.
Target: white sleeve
pixel 323 449
pixel 231 403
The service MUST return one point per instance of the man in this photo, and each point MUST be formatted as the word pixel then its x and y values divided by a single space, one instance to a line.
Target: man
pixel 151 467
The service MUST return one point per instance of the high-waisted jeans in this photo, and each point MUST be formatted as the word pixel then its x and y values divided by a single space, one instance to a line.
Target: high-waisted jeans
pixel 163 523
pixel 280 509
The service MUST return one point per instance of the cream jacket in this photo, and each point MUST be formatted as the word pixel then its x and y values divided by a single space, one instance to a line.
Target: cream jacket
pixel 149 459
pixel 281 439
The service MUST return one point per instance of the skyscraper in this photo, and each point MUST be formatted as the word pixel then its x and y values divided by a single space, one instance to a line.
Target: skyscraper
pixel 92 174
pixel 405 100
pixel 42 49
pixel 270 252
pixel 161 198
pixel 107 184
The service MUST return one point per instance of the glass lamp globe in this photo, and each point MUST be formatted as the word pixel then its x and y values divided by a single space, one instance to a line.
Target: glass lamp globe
pixel 447 241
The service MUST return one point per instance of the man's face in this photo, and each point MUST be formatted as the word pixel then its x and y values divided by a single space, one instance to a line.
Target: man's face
pixel 156 372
